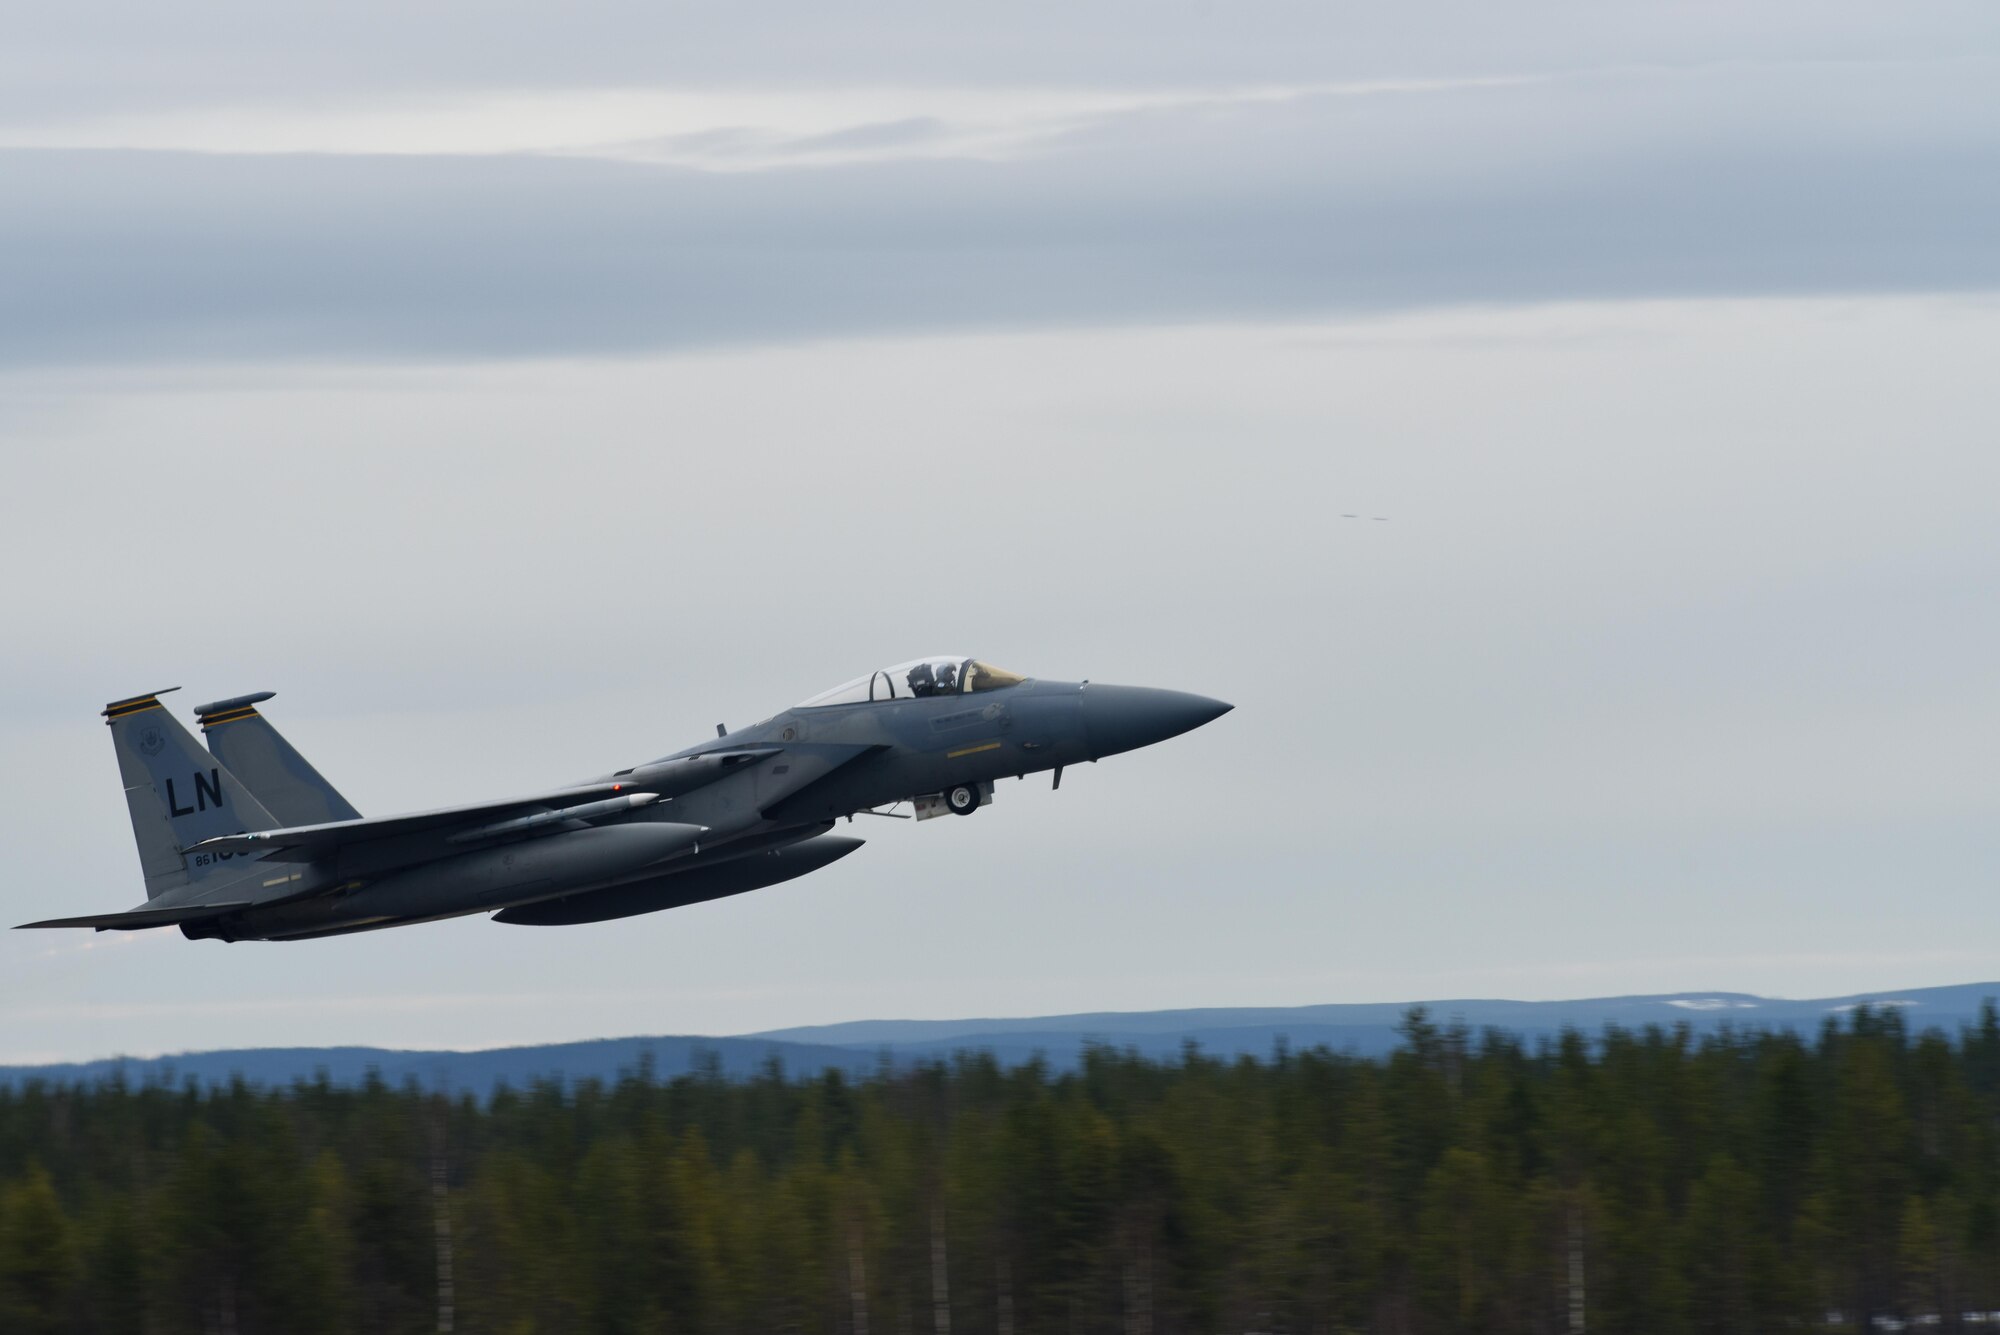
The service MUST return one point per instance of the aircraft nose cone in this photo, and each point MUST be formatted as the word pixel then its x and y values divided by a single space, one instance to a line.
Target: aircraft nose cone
pixel 1125 718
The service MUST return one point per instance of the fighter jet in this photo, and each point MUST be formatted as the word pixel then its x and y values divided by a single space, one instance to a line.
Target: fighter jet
pixel 245 841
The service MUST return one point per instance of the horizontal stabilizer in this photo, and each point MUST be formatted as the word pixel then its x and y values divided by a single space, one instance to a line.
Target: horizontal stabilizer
pixel 138 918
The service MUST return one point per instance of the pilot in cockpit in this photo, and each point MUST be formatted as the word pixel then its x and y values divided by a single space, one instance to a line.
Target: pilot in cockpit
pixel 921 679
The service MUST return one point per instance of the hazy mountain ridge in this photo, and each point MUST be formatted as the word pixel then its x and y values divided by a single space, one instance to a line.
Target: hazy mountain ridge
pixel 476 1071
pixel 856 1047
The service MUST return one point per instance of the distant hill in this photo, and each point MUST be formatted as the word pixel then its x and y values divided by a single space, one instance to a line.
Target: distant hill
pixel 1370 1028
pixel 477 1072
pixel 858 1047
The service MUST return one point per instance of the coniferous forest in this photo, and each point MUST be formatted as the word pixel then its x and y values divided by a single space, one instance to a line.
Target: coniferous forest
pixel 1622 1182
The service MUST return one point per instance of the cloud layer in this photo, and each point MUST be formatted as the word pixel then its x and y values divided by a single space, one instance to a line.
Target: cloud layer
pixel 237 183
pixel 1786 181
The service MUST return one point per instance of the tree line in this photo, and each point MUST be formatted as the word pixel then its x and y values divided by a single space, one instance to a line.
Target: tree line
pixel 1632 1181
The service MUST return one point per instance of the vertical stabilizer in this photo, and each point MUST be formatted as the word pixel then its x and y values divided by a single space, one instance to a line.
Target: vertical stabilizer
pixel 177 794
pixel 258 754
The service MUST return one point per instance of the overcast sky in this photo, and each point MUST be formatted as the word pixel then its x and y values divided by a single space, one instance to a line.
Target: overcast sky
pixel 521 392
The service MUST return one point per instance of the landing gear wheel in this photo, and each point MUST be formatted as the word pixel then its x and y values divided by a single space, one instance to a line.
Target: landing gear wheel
pixel 963 800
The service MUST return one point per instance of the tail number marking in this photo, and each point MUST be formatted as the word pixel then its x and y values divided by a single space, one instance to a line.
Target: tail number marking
pixel 207 793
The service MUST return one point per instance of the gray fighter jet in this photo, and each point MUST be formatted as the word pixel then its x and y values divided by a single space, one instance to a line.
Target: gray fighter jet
pixel 245 841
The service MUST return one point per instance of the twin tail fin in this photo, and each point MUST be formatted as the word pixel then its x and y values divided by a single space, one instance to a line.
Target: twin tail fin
pixel 258 754
pixel 178 794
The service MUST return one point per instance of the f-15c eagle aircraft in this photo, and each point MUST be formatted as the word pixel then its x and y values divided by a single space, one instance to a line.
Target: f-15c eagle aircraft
pixel 246 842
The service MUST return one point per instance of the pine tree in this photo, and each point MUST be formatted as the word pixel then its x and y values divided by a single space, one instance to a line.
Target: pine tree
pixel 39 1266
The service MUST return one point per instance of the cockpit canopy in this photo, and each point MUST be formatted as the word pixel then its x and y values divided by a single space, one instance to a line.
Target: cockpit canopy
pixel 916 679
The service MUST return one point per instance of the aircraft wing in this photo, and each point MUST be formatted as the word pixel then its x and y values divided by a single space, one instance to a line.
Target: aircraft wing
pixel 460 824
pixel 303 843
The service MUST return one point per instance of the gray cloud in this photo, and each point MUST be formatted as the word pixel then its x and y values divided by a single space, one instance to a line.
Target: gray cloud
pixel 62 60
pixel 1751 182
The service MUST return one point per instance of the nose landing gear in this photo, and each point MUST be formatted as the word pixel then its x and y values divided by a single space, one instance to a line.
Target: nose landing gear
pixel 962 799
